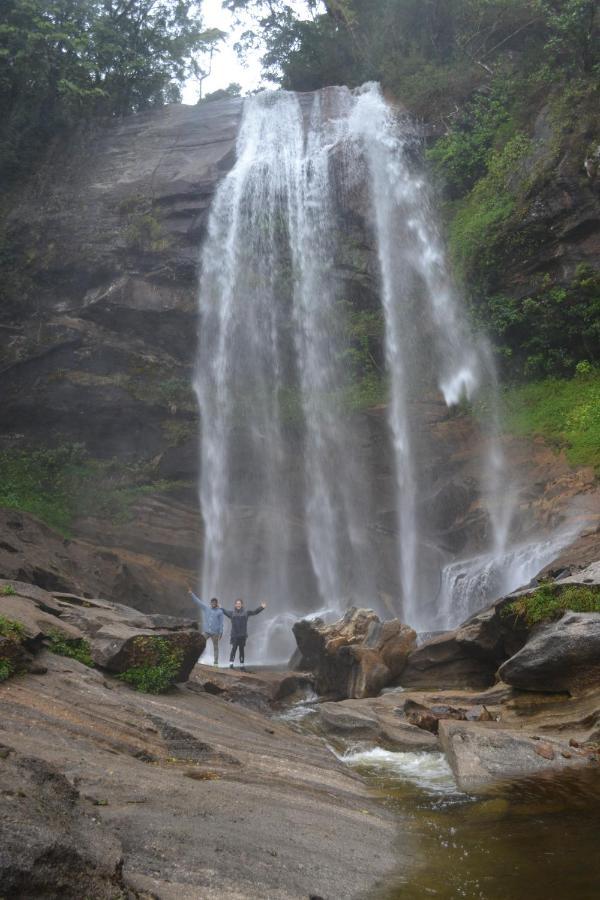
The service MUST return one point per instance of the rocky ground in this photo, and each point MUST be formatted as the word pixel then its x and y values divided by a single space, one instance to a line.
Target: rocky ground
pixel 107 792
pixel 206 791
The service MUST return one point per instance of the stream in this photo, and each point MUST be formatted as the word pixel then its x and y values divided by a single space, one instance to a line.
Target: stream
pixel 535 839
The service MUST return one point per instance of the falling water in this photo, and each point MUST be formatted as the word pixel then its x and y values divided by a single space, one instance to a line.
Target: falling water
pixel 287 488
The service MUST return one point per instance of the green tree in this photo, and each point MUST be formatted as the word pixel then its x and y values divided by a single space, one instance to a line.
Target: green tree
pixel 62 61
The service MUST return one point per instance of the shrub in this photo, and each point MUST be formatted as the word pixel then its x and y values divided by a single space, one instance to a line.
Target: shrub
pixel 550 601
pixel 12 630
pixel 157 677
pixel 6 669
pixel 77 648
pixel 7 590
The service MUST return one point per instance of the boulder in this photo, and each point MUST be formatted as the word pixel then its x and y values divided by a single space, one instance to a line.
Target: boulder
pixel 559 656
pixel 481 755
pixel 469 656
pixel 357 655
pixel 373 720
pixel 119 646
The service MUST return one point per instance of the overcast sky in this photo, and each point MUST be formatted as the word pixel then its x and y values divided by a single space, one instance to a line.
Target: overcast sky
pixel 226 65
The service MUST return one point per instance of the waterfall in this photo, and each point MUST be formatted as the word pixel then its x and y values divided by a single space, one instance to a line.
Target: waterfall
pixel 287 489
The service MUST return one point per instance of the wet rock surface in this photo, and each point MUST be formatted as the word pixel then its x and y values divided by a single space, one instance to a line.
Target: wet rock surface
pixel 356 656
pixel 175 786
pixel 560 656
pixel 470 655
pixel 53 843
pixel 481 755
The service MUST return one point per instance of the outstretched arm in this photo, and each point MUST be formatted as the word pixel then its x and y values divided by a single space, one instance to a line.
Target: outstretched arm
pixel 259 609
pixel 227 612
pixel 197 600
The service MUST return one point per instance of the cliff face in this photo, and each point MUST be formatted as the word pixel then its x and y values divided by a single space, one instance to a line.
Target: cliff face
pixel 98 329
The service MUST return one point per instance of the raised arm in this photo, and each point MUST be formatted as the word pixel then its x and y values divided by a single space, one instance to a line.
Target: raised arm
pixel 200 602
pixel 259 609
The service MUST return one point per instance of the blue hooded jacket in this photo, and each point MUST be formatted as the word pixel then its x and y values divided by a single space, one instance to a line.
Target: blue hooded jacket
pixel 212 619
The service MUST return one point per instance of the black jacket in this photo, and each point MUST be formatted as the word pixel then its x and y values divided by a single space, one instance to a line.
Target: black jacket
pixel 239 621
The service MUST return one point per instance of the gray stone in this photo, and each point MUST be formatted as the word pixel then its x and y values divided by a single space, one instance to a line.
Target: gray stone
pixel 482 755
pixel 559 656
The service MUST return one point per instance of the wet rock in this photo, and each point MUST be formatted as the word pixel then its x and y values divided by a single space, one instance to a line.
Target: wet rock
pixel 560 656
pixel 49 844
pixel 355 656
pixel 481 755
pixel 118 647
pixel 469 656
pixel 374 720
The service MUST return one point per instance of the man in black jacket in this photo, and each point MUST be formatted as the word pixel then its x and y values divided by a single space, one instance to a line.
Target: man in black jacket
pixel 239 629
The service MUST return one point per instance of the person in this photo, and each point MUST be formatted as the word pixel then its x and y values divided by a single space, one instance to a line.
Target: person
pixel 239 629
pixel 212 621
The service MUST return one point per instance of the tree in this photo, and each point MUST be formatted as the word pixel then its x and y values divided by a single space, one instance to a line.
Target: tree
pixel 62 61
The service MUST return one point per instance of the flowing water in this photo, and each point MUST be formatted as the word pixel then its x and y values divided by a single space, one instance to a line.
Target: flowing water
pixel 531 840
pixel 288 492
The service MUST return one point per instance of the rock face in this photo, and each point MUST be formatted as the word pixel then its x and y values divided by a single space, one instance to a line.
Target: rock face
pixel 356 656
pixel 51 844
pixel 469 656
pixel 481 755
pixel 98 339
pixel 178 787
pixel 560 656
pixel 119 637
pixel 377 720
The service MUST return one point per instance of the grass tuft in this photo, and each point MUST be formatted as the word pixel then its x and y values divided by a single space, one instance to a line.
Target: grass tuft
pixel 77 648
pixel 550 601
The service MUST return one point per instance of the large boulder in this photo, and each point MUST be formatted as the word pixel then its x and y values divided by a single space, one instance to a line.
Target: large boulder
pixel 470 655
pixel 357 655
pixel 120 647
pixel 481 755
pixel 559 656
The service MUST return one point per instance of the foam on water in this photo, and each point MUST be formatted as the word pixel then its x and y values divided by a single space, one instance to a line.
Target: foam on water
pixel 428 771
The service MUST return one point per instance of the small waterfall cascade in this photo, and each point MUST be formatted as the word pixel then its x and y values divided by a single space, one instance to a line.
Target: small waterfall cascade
pixel 288 495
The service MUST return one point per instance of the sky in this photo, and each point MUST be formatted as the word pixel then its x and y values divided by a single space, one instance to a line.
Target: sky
pixel 226 65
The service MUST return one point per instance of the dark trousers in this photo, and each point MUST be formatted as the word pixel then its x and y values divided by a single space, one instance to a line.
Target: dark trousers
pixel 238 644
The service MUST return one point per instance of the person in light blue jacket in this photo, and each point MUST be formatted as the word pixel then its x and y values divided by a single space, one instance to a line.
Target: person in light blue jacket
pixel 212 619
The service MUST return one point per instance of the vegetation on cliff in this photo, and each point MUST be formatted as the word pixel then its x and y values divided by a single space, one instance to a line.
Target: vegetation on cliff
pixel 508 91
pixel 65 62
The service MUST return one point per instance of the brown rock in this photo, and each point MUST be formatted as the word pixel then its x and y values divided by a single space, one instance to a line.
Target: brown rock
pixel 355 656
pixel 545 750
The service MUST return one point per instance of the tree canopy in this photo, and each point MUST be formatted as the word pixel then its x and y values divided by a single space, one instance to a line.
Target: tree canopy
pixel 65 60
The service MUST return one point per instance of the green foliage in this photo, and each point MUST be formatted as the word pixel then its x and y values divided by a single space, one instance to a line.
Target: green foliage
pixel 475 229
pixel 12 630
pixel 6 669
pixel 7 590
pixel 233 89
pixel 550 601
pixel 462 156
pixel 555 331
pixel 73 648
pixel 62 62
pixel 59 484
pixel 564 411
pixel 160 672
